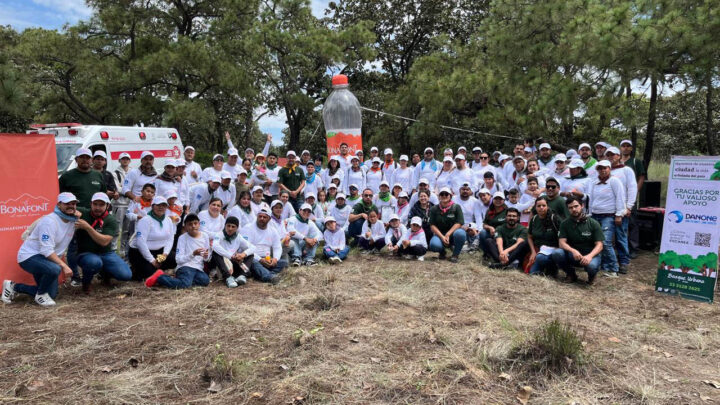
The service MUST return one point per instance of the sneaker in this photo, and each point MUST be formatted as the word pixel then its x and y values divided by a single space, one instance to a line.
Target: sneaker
pixel 75 283
pixel 153 279
pixel 335 260
pixel 375 251
pixel 514 265
pixel 44 300
pixel 230 282
pixel 496 265
pixel 310 263
pixel 443 255
pixel 8 292
pixel 623 269
pixel 365 252
pixel 611 274
pixel 465 249
pixel 421 258
pixel 407 257
pixel 241 280
pixel 296 263
pixel 454 259
pixel 275 279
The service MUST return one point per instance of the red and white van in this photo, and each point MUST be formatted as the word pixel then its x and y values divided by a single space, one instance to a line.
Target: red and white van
pixel 164 143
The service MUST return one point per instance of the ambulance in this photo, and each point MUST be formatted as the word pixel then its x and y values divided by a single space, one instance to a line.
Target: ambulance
pixel 164 143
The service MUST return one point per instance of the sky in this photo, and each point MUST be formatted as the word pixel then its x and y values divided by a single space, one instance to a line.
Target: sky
pixel 54 14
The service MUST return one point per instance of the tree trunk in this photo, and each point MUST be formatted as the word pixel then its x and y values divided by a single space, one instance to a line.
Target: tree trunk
pixel 249 128
pixel 294 130
pixel 708 116
pixel 633 127
pixel 650 135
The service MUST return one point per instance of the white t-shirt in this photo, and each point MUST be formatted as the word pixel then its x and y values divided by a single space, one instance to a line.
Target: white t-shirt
pixel 186 245
pixel 151 235
pixel 51 235
pixel 211 226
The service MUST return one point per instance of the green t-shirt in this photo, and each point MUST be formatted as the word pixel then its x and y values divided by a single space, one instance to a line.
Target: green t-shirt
pixel 291 180
pixel 361 208
pixel 582 235
pixel 510 235
pixel 82 185
pixel 558 206
pixel 445 221
pixel 637 166
pixel 86 244
pixel 542 235
pixel 497 220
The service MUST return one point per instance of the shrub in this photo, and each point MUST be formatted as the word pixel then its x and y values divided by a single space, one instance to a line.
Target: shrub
pixel 555 347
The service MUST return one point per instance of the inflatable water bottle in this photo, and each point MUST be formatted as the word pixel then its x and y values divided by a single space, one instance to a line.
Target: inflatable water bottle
pixel 342 118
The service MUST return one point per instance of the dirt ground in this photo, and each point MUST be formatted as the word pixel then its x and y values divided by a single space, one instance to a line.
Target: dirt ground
pixel 373 330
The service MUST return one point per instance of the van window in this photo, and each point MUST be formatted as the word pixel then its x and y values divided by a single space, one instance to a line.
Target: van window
pixel 65 153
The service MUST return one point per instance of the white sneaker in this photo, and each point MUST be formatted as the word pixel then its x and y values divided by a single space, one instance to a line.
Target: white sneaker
pixel 421 258
pixel 230 282
pixel 8 292
pixel 241 280
pixel 611 274
pixel 75 283
pixel 44 300
pixel 335 260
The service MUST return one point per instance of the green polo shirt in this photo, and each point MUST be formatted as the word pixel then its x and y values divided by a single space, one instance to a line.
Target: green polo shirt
pixel 82 185
pixel 581 235
pixel 497 220
pixel 361 208
pixel 86 244
pixel 637 166
pixel 445 221
pixel 511 235
pixel 542 235
pixel 291 180
pixel 558 206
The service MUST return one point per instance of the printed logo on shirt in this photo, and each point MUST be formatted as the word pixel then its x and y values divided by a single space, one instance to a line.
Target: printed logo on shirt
pixel 45 238
pixel 586 233
pixel 202 222
pixel 95 183
pixel 138 234
pixel 199 196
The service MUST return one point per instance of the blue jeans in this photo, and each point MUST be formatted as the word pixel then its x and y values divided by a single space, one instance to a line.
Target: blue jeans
pixel 544 264
pixel 342 254
pixel 609 260
pixel 483 235
pixel 264 274
pixel 301 251
pixel 457 240
pixel 355 227
pixel 110 264
pixel 45 272
pixel 320 224
pixel 72 258
pixel 621 241
pixel 565 260
pixel 376 244
pixel 185 277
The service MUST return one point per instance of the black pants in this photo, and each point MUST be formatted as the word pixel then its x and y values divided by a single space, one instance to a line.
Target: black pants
pixel 633 232
pixel 142 269
pixel 517 254
pixel 217 261
pixel 417 250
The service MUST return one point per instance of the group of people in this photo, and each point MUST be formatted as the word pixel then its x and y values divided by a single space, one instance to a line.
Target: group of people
pixel 535 209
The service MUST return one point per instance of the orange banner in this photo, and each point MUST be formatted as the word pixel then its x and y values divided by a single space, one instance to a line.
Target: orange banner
pixel 28 190
pixel 351 137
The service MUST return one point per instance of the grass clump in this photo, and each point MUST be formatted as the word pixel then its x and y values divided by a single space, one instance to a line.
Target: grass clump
pixel 555 347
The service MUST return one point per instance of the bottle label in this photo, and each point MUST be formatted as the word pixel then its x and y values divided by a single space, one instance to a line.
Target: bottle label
pixel 351 137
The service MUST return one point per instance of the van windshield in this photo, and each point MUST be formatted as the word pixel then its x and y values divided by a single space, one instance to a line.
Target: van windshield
pixel 65 153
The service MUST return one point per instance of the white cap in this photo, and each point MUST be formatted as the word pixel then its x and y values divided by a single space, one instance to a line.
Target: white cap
pixel 385 183
pixel 124 155
pixel 429 149
pixel 374 149
pixel 306 206
pixel 613 149
pixel 290 153
pixel 602 143
pixel 335 158
pixel 528 149
pixel 263 211
pixel 584 145
pixel 310 194
pixel 218 156
pixel 576 163
pixel 424 181
pixel 459 156
pixel 397 185
pixel 465 184
pixel 159 200
pixel 67 197
pixel 477 149
pixel 340 195
pixel 570 153
pixel 249 150
pixel 462 148
pixel 604 163
pixel 519 157
pixel 445 190
pixel 545 145
pixel 171 162
pixel 624 141
pixel 416 221
pixel 214 178
pixel 350 186
pixel 275 202
pixel 499 194
pixel 83 152
pixel 100 153
pixel 394 217
pixel 448 159
pixel 404 157
pixel 484 190
pixel 376 160
pixel 359 152
pixel 256 188
pixel 189 148
pixel 332 185
pixel 329 218
pixel 387 151
pixel 503 157
pixel 100 197
pixel 171 194
pixel 243 171
pixel 354 157
pixel 560 157
pixel 403 194
pixel 305 152
pixel 233 152
pixel 225 175
pixel 146 153
pixel 180 163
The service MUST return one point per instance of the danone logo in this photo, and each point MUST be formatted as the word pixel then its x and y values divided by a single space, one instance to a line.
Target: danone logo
pixel 677 217
pixel 24 205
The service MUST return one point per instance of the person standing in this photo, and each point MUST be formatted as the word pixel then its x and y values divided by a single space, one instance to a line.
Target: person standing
pixel 41 253
pixel 120 206
pixel 589 162
pixel 139 177
pixel 545 159
pixel 627 177
pixel 446 221
pixel 426 169
pixel 581 240
pixel 292 179
pixel 638 167
pixel 99 164
pixel 194 170
pixel 403 175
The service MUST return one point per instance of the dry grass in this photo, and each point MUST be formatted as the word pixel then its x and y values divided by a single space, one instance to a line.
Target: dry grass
pixel 368 331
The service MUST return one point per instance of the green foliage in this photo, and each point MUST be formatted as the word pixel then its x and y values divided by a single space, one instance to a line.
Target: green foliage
pixel 555 347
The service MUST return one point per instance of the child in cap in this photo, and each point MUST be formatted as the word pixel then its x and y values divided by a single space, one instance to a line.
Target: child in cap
pixel 372 235
pixel 335 249
pixel 317 213
pixel 394 233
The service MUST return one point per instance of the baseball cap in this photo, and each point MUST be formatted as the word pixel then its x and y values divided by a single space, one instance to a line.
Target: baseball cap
pixel 340 195
pixel 445 190
pixel 387 151
pixel 310 194
pixel 394 217
pixel 355 186
pixel 249 150
pixel 560 157
pixel 124 155
pixel 397 185
pixel 416 221
pixel 459 156
pixel 290 153
pixel 429 150
pixel 465 184
pixel 448 150
pixel 376 160
pixel 159 200
pixel 276 202
pixel 171 194
pixel 584 145
pixel 354 157
pixel 180 163
pixel 403 194
pixel 83 152
pixel 528 149
pixel 225 175
pixel 374 149
pixel 545 146
pixel 503 157
pixel 305 152
pixel 67 197
pixel 189 148
pixel 218 156
pixel 484 190
pixel 499 194
pixel 263 211
pixel 385 183
pixel 332 185
pixel 359 152
pixel 626 141
pixel 613 149
pixel 146 153
pixel 570 153
pixel 404 157
pixel 214 178
pixel 519 157
pixel 424 181
pixel 477 149
pixel 257 188
pixel 604 163
pixel 448 159
pixel 601 143
pixel 462 148
pixel 233 152
pixel 305 206
pixel 576 163
pixel 329 218
pixel 100 153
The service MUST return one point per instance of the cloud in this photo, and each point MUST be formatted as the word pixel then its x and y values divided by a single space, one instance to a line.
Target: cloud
pixel 318 7
pixel 70 8
pixel 48 14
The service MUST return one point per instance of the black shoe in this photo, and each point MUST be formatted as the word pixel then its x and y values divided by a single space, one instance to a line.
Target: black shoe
pixel 443 255
pixel 591 279
pixel 454 259
pixel 623 269
pixel 496 265
pixel 571 278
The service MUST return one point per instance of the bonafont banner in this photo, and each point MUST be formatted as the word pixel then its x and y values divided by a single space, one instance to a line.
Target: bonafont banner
pixel 28 190
pixel 688 259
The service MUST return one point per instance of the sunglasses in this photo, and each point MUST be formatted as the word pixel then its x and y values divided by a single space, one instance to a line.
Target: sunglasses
pixel 444 195
pixel 551 187
pixel 484 158
pixel 428 153
pixel 367 195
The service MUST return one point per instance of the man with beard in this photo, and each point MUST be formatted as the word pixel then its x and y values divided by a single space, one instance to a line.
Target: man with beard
pixel 589 162
pixel 267 264
pixel 581 239
pixel 467 202
pixel 426 169
pixel 555 202
pixel 291 178
pixel 509 245
pixel 137 178
pixel 545 160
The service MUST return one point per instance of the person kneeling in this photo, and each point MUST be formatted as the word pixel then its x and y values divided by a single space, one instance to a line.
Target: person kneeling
pixel 395 232
pixel 193 250
pixel 414 242
pixel 509 246
pixel 335 249
pixel 232 255
pixel 372 236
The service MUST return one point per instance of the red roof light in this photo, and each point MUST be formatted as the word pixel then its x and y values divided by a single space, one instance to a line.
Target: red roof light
pixel 173 135
pixel 103 135
pixel 142 135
